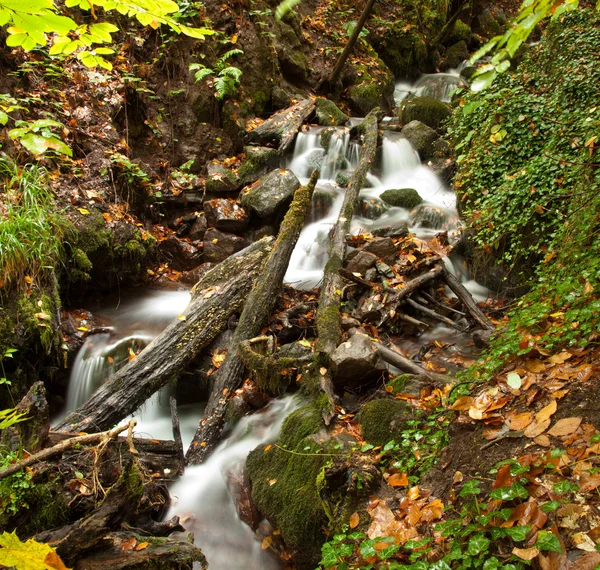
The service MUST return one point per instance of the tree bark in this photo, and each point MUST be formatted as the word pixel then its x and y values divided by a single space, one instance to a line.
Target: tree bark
pixel 281 128
pixel 216 297
pixel 467 300
pixel 335 74
pixel 401 362
pixel 257 310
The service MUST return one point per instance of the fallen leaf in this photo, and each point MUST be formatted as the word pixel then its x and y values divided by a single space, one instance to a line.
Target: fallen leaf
pixel 560 357
pixel 535 429
pixel 83 211
pixel 589 483
pixel 525 553
pixel 546 412
pixel 354 520
pixel 583 542
pixel 142 545
pixel 520 421
pixel 398 480
pixel 565 426
pixel 129 544
pixel 536 366
pixel 514 380
pixel 463 403
pixel 266 542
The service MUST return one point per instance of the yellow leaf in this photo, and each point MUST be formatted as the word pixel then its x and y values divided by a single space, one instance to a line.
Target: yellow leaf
pixel 268 447
pixel 83 211
pixel 546 412
pixel 82 329
pixel 234 39
pixel 181 317
pixel 525 553
pixel 28 280
pixel 398 480
pixel 132 354
pixel 142 545
pixel 266 542
pixel 30 555
pixel 354 520
pixel 323 371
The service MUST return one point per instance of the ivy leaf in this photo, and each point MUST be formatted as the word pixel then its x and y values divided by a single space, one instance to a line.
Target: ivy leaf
pixel 518 533
pixel 30 555
pixel 547 540
pixel 478 543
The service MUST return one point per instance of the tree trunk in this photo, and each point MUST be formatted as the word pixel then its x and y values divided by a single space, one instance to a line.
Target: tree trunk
pixel 255 315
pixel 335 74
pixel 281 128
pixel 216 297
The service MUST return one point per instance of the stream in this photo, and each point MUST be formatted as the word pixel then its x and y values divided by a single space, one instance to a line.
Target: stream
pixel 202 495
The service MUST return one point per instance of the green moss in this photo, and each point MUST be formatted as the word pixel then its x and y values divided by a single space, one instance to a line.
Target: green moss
pixel 365 97
pixel 403 50
pixel 325 137
pixel 407 198
pixel 292 501
pixel 258 159
pixel 456 54
pixel 460 32
pixel 425 109
pixel 382 420
pixel 328 114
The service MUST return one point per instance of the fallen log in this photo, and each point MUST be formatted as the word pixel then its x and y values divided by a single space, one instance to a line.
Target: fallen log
pixel 467 300
pixel 281 128
pixel 400 294
pixel 255 315
pixel 433 315
pixel 402 363
pixel 329 317
pixel 175 426
pixel 220 293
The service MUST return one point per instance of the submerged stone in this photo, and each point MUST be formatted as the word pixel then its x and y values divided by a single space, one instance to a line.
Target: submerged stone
pixel 428 217
pixel 421 137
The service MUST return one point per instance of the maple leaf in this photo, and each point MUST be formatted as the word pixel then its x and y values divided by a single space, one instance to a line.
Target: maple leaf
pixel 30 555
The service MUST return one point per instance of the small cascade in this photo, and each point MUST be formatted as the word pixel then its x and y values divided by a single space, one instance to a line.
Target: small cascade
pixel 308 153
pixel 437 85
pixel 202 497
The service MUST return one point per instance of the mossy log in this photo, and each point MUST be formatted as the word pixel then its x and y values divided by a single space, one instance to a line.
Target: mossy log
pixel 220 293
pixel 329 318
pixel 282 127
pixel 257 310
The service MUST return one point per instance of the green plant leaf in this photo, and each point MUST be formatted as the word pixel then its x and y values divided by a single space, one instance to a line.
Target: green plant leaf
pixel 547 540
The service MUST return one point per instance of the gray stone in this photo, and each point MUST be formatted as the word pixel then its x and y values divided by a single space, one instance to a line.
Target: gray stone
pixel 267 195
pixel 382 247
pixel 428 217
pixel 361 262
pixel 181 255
pixel 357 361
pixel 421 137
pixel 257 163
pixel 220 245
pixel 221 179
pixel 198 228
pixel 372 208
pixel 399 230
pixel 407 198
pixel 225 214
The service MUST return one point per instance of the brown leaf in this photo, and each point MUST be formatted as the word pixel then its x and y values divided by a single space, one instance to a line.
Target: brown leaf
pixel 565 426
pixel 546 412
pixel 535 429
pixel 414 514
pixel 398 480
pixel 129 544
pixel 354 520
pixel 463 403
pixel 589 482
pixel 587 562
pixel 560 357
pixel 53 560
pixel 521 421
pixel 536 366
pixel 525 553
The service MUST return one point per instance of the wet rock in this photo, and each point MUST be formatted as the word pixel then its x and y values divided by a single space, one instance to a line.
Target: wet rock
pixel 342 179
pixel 383 247
pixel 320 205
pixel 325 137
pixel 289 52
pixel 460 32
pixel 407 198
pixel 30 434
pixel 328 113
pixel 421 137
pixel 270 193
pixel 372 208
pixel 280 98
pixel 261 231
pixel 258 161
pixel 192 277
pixel 221 179
pixel 403 49
pixel 428 217
pixel 296 351
pixel 356 361
pixel 425 109
pixel 220 245
pixel 444 168
pixel 198 228
pixel 383 269
pixel 225 214
pixel 489 22
pixel 400 229
pixel 181 255
pixel 455 55
pixel 349 322
pixel 361 261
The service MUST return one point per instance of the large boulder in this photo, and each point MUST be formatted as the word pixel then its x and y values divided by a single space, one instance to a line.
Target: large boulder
pixel 421 137
pixel 455 55
pixel 407 198
pixel 270 193
pixel 218 245
pixel 225 214
pixel 357 361
pixel 221 179
pixel 181 255
pixel 328 113
pixel 292 61
pixel 425 109
pixel 460 32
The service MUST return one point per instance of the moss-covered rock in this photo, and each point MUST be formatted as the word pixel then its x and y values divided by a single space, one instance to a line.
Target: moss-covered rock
pixel 221 179
pixel 329 114
pixel 258 160
pixel 425 109
pixel 460 32
pixel 421 137
pixel 365 97
pixel 455 55
pixel 407 198
pixel 284 485
pixel 383 420
pixel 270 193
pixel 403 50
pixel 342 179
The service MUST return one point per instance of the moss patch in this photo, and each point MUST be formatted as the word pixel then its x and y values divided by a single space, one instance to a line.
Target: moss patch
pixel 382 420
pixel 407 198
pixel 425 109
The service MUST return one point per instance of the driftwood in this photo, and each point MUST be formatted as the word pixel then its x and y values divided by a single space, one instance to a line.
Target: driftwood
pixel 410 287
pixel 176 429
pixel 433 315
pixel 402 363
pixel 467 300
pixel 63 446
pixel 256 313
pixel 219 294
pixel 282 127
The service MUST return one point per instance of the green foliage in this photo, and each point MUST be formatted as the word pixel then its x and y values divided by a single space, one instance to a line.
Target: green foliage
pixel 284 7
pixel 530 193
pixel 37 136
pixel 226 78
pixel 31 231
pixel 131 172
pixel 14 489
pixel 28 22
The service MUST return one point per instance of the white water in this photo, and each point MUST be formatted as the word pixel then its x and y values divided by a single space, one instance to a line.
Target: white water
pixel 437 85
pixel 202 496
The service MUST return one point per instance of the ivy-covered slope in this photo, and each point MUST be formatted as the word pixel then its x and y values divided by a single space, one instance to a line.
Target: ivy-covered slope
pixel 528 185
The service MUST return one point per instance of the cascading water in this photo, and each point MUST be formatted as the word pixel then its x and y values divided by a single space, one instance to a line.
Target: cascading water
pixel 437 85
